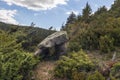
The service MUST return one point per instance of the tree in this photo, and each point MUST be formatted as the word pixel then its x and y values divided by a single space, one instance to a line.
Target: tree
pixel 71 19
pixel 50 28
pixel 115 9
pixel 32 24
pixel 79 18
pixel 101 10
pixel 62 27
pixel 86 13
pixel 116 4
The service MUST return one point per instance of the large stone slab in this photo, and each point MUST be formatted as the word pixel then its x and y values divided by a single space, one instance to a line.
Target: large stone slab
pixel 56 40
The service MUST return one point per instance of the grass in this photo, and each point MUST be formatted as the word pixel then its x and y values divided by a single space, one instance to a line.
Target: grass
pixel 44 70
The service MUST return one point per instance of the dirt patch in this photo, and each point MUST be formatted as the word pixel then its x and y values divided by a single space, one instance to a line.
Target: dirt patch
pixel 44 70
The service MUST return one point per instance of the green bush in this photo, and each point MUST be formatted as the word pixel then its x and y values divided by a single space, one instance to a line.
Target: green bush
pixel 67 66
pixel 16 65
pixel 78 75
pixel 106 44
pixel 96 76
pixel 74 46
pixel 115 71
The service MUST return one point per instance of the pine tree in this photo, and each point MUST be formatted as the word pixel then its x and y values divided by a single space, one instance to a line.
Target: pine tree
pixel 79 17
pixel 62 27
pixel 71 19
pixel 86 13
pixel 115 9
pixel 101 10
pixel 116 4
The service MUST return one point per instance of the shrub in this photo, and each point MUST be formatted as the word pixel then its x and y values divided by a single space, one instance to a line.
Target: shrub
pixel 74 63
pixel 96 76
pixel 106 44
pixel 115 71
pixel 74 46
pixel 16 65
pixel 78 75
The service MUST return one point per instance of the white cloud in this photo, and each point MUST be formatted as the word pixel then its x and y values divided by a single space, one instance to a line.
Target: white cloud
pixel 75 12
pixel 7 16
pixel 37 5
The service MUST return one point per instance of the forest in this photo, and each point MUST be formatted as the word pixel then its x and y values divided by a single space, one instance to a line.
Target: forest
pixel 93 48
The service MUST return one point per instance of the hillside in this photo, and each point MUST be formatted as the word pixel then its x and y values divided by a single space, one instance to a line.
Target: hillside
pixel 98 35
pixel 29 37
pixel 17 45
pixel 93 48
pixel 98 31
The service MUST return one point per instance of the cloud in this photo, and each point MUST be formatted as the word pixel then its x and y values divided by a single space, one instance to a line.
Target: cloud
pixel 7 16
pixel 37 5
pixel 75 12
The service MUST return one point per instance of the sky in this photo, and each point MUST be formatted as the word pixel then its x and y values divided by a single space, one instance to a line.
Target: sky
pixel 45 13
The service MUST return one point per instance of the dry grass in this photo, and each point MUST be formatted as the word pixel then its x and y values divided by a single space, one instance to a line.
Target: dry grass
pixel 44 71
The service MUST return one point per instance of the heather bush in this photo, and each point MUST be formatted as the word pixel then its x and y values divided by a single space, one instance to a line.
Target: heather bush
pixel 115 71
pixel 96 76
pixel 16 65
pixel 75 63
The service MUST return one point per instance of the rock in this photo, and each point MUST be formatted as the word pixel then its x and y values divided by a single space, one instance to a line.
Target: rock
pixel 57 40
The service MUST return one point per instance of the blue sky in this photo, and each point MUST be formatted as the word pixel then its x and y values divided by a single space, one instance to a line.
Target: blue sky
pixel 44 13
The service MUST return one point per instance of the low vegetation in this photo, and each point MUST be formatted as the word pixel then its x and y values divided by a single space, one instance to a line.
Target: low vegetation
pixel 16 51
pixel 98 31
pixel 16 65
pixel 115 71
pixel 93 38
pixel 75 66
